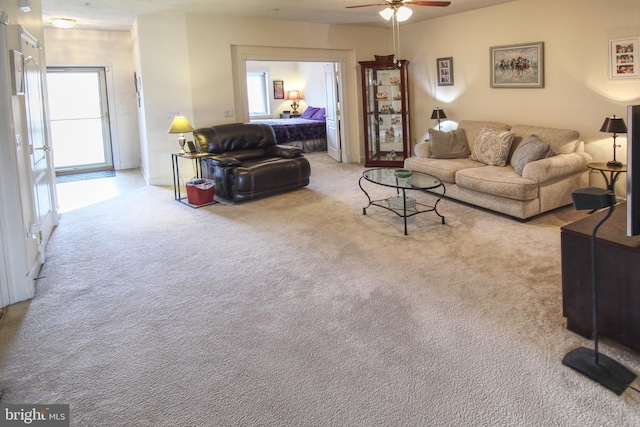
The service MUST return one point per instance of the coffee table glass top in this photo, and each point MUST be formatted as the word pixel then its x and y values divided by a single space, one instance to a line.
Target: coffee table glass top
pixel 386 176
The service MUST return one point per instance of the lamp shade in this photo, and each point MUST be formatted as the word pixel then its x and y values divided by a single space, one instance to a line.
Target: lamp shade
pixel 180 125
pixel 294 94
pixel 614 125
pixel 438 113
pixel 403 13
pixel 386 13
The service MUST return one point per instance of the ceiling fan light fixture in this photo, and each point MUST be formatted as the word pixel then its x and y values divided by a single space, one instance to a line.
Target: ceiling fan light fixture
pixel 387 13
pixel 403 13
pixel 63 23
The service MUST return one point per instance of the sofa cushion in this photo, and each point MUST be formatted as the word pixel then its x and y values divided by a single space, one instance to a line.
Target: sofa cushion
pixel 492 147
pixel 472 129
pixel 448 145
pixel 562 141
pixel 443 169
pixel 498 181
pixel 529 150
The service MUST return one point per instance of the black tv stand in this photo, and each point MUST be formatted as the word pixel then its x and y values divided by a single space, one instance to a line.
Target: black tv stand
pixel 617 278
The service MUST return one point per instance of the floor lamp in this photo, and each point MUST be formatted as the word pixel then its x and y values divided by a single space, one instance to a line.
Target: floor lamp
pixel 590 363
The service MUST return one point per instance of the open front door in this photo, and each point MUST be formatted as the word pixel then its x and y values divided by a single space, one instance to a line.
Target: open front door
pixel 334 147
pixel 37 177
pixel 39 150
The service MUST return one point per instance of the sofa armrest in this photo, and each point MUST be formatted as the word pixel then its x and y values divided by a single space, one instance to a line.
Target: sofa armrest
pixel 223 160
pixel 422 149
pixel 555 167
pixel 284 151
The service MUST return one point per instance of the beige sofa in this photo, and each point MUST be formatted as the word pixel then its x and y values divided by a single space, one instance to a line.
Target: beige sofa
pixel 543 185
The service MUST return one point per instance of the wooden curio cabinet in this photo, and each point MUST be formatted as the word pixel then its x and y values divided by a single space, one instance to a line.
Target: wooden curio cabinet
pixel 385 99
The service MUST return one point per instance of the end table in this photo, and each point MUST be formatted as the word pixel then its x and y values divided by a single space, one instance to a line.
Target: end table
pixel 614 173
pixel 176 176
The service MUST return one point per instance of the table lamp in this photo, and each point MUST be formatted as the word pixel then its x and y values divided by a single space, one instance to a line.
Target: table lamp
pixel 181 125
pixel 295 96
pixel 438 114
pixel 614 125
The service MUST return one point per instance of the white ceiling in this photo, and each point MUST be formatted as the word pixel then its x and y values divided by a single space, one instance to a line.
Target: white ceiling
pixel 119 15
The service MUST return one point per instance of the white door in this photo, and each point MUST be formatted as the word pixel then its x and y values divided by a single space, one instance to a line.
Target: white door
pixel 334 148
pixel 41 175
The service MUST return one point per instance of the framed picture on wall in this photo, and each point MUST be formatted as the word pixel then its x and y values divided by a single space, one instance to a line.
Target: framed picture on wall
pixel 517 65
pixel 445 71
pixel 278 89
pixel 17 72
pixel 623 58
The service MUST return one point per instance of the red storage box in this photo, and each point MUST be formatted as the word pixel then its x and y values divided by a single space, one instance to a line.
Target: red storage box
pixel 200 192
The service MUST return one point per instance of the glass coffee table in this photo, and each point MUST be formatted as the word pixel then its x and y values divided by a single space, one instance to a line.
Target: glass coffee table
pixel 401 204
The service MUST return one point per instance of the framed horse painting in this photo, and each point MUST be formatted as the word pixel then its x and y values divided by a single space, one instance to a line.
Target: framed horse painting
pixel 517 65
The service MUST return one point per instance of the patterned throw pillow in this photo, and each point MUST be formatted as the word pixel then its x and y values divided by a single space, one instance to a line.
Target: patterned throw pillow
pixel 530 149
pixel 448 145
pixel 492 147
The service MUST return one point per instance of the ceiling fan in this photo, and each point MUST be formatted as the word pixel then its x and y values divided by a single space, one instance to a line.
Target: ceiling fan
pixel 399 9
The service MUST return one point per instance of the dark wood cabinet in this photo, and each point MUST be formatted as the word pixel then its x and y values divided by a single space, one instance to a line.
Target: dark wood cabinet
pixel 385 100
pixel 617 278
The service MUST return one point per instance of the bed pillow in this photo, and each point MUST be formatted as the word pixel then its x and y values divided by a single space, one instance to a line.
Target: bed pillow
pixel 309 112
pixel 319 114
pixel 492 147
pixel 530 149
pixel 448 145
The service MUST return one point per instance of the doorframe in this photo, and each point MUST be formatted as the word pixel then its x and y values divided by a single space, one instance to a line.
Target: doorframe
pixel 104 109
pixel 111 100
pixel 347 90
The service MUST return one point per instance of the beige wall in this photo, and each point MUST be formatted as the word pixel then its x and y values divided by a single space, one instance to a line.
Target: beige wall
pixel 578 93
pixel 187 65
pixel 112 50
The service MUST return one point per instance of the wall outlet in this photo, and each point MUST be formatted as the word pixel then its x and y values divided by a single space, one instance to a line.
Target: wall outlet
pixel 228 113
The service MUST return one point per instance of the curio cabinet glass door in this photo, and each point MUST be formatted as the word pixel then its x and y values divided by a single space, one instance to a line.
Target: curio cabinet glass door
pixel 385 97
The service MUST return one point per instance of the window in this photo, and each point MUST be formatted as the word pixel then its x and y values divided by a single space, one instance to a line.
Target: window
pixel 258 93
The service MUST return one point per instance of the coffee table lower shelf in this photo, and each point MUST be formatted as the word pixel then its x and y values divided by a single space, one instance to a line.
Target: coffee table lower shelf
pixel 405 213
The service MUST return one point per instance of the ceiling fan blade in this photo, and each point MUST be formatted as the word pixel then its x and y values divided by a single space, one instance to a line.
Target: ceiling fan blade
pixel 366 5
pixel 397 3
pixel 427 3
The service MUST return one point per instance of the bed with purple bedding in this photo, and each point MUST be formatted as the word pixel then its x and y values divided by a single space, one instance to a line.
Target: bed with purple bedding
pixel 306 133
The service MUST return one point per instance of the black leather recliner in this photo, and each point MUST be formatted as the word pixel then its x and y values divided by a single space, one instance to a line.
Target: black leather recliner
pixel 246 163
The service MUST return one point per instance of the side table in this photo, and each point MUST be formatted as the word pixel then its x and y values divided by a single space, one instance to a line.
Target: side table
pixel 176 176
pixel 614 173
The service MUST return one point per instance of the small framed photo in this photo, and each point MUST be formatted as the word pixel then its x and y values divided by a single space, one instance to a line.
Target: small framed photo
pixel 623 58
pixel 191 147
pixel 17 72
pixel 517 65
pixel 278 89
pixel 445 71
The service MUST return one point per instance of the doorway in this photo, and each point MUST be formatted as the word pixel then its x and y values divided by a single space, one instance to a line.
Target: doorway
pixel 79 119
pixel 346 91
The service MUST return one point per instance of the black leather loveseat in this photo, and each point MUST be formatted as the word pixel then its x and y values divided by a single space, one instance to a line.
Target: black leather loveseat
pixel 246 163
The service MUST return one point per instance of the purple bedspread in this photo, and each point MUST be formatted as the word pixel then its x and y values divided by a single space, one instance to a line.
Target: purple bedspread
pixel 295 129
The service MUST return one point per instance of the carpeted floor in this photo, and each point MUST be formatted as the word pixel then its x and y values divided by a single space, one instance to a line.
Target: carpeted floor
pixel 297 310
